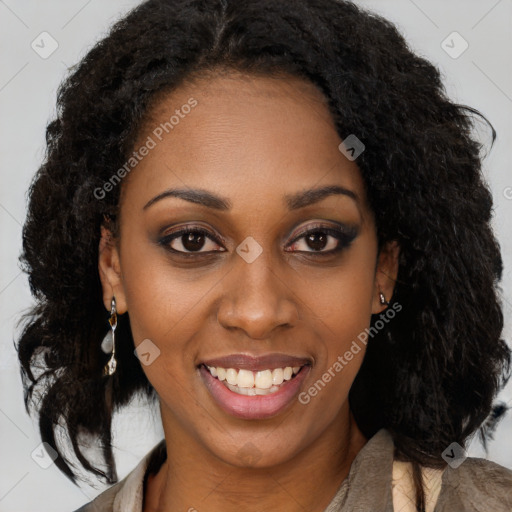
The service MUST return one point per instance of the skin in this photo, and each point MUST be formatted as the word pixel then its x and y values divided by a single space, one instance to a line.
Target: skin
pixel 251 140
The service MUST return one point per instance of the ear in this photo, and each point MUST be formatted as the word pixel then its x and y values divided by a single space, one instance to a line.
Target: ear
pixel 109 268
pixel 385 275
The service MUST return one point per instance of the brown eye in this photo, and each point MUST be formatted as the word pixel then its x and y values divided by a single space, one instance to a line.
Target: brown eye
pixel 190 240
pixel 324 240
pixel 318 241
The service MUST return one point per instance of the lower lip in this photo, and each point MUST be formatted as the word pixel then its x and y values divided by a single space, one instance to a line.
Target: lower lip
pixel 253 407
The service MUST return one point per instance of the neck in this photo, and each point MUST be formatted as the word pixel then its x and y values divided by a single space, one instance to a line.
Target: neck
pixel 192 479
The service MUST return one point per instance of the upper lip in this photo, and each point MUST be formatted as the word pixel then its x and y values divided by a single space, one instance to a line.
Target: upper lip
pixel 257 363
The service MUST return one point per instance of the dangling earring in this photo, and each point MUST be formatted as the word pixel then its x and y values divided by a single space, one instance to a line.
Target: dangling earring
pixel 110 367
pixel 383 300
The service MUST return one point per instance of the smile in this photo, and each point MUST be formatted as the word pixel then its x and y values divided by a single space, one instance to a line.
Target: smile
pixel 254 388
pixel 249 383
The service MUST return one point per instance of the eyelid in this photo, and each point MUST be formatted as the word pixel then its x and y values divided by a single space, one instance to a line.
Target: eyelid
pixel 166 239
pixel 345 235
pixel 348 231
pixel 196 228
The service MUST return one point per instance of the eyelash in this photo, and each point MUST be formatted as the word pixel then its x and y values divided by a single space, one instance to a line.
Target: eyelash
pixel 345 237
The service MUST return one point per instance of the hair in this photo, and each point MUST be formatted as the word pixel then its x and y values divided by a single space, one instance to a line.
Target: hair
pixel 431 374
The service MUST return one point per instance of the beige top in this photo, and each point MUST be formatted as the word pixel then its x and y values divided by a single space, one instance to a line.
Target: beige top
pixel 375 483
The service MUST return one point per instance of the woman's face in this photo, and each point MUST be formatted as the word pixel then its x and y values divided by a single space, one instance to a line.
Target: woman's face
pixel 255 165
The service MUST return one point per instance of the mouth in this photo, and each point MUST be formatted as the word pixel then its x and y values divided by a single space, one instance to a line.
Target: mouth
pixel 250 383
pixel 254 388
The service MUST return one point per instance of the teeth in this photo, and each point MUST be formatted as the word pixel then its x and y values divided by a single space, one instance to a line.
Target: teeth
pixel 263 380
pixel 277 376
pixel 252 391
pixel 245 379
pixel 231 376
pixel 221 372
pixel 246 382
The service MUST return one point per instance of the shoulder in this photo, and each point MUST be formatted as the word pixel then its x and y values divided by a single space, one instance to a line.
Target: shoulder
pixel 105 501
pixel 477 485
pixel 127 495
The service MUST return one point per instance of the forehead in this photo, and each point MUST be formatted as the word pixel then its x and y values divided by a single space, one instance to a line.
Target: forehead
pixel 241 133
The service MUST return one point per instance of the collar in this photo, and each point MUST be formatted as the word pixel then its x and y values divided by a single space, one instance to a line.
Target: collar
pixel 130 497
pixel 373 463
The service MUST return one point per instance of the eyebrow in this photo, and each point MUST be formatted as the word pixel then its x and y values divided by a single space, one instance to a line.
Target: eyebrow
pixel 293 201
pixel 314 195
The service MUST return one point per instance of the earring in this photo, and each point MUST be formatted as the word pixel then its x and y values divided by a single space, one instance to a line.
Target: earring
pixel 383 300
pixel 110 367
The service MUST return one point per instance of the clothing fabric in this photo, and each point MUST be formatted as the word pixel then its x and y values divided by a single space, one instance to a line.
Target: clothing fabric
pixel 477 485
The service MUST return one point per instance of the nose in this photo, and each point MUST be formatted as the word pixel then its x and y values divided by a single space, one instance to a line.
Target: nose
pixel 257 300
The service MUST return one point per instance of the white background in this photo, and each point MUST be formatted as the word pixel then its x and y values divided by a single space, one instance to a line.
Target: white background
pixel 480 77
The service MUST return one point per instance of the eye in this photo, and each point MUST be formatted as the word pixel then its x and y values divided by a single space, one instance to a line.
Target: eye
pixel 190 240
pixel 324 240
pixel 321 240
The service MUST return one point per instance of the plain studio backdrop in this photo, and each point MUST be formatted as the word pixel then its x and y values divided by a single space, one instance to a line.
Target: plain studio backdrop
pixel 470 42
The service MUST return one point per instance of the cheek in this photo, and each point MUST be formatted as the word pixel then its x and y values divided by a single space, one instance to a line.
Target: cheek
pixel 341 297
pixel 163 305
pixel 163 308
pixel 340 308
pixel 159 297
pixel 339 354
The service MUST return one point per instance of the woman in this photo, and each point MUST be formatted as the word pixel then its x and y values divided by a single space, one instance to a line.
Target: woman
pixel 276 222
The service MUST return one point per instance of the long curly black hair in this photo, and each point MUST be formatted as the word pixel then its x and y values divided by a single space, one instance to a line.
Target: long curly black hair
pixel 430 376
